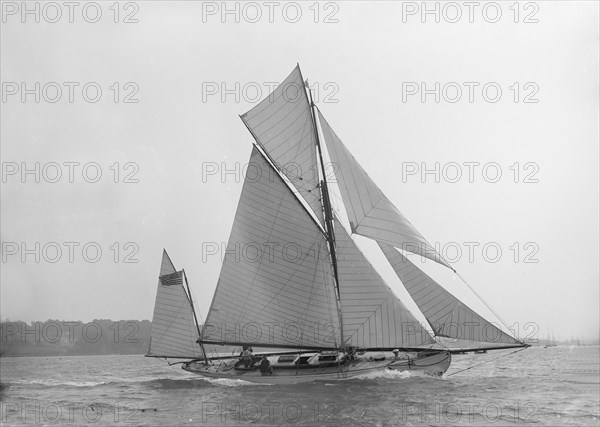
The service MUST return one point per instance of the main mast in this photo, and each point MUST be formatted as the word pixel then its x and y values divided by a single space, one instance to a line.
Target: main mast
pixel 328 215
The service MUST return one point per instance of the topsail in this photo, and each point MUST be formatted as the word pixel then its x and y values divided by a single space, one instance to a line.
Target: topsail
pixel 282 125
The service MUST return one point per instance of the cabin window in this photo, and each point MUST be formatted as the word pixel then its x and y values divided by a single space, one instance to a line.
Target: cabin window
pixel 328 358
pixel 286 359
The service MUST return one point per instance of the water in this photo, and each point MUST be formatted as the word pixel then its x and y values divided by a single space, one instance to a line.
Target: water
pixel 554 386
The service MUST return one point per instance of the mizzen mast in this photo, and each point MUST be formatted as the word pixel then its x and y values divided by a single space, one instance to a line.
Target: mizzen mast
pixel 189 292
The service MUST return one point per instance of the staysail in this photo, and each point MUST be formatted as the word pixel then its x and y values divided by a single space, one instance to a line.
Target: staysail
pixel 282 125
pixel 174 330
pixel 446 314
pixel 373 316
pixel 276 283
pixel 370 212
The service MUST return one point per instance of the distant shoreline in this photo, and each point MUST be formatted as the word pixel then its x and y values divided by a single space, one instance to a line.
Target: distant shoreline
pixel 74 338
pixel 70 355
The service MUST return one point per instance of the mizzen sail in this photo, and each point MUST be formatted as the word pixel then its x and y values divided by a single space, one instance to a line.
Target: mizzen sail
pixel 174 329
pixel 447 315
pixel 370 212
pixel 276 283
pixel 373 316
pixel 282 125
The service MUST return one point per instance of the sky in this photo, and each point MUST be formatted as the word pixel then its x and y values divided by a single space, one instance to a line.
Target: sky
pixel 136 125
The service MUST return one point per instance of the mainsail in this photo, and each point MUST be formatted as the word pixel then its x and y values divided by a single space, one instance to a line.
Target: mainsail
pixel 282 125
pixel 446 314
pixel 373 316
pixel 369 211
pixel 174 330
pixel 276 283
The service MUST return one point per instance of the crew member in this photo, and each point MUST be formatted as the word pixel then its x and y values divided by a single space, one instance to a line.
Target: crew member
pixel 246 357
pixel 265 366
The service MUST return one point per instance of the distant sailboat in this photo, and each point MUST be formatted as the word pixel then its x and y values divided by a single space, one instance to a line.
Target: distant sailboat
pixel 313 302
pixel 550 342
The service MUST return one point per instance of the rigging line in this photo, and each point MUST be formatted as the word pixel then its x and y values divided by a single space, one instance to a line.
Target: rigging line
pixel 265 157
pixel 327 288
pixel 314 290
pixel 487 361
pixel 270 162
pixel 328 211
pixel 245 307
pixel 485 303
pixel 447 319
pixel 364 178
pixel 303 186
pixel 482 300
pixel 189 295
pixel 283 287
pixel 347 155
pixel 191 301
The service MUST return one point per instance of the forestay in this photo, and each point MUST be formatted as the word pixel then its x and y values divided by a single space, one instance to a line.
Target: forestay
pixel 447 315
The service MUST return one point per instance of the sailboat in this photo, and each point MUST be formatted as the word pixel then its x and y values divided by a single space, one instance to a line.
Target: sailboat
pixel 294 285
pixel 550 342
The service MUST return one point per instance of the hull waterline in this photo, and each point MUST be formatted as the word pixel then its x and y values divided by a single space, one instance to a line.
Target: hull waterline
pixel 288 376
pixel 434 364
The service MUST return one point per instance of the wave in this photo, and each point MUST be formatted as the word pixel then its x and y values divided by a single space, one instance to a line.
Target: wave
pixel 391 374
pixel 54 383
pixel 227 382
pixel 168 383
pixel 172 384
pixel 153 383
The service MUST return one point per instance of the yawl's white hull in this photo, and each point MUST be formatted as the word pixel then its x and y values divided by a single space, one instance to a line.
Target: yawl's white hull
pixel 435 364
pixel 288 376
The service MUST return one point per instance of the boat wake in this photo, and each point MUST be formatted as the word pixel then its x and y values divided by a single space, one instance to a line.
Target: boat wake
pixel 153 383
pixel 390 374
pixel 228 382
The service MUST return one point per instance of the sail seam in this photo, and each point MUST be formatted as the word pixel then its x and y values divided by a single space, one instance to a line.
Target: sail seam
pixel 262 258
pixel 289 186
pixel 450 307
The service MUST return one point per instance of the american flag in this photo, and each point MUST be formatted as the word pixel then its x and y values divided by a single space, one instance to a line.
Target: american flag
pixel 172 279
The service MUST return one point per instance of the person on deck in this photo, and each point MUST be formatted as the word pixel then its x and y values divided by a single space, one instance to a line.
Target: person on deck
pixel 265 366
pixel 351 354
pixel 246 357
